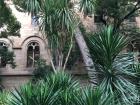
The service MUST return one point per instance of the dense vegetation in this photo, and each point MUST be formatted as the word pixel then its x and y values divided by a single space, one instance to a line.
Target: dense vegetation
pixel 57 89
pixel 114 74
pixel 9 26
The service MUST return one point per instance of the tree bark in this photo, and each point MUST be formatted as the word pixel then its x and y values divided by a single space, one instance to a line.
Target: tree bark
pixel 89 64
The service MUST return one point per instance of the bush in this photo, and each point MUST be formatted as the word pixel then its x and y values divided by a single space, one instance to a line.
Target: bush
pixel 58 89
pixel 41 70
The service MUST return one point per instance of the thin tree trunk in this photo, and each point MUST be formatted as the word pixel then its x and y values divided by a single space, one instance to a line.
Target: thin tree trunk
pixel 89 64
pixel 67 57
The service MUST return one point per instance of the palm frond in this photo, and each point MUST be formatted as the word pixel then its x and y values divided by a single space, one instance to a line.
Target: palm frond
pixel 87 6
pixel 33 6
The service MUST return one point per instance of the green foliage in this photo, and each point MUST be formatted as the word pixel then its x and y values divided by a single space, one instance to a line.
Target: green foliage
pixel 114 66
pixel 73 57
pixel 7 56
pixel 57 20
pixel 4 98
pixel 108 44
pixel 136 68
pixel 114 8
pixel 8 22
pixel 111 12
pixel 67 87
pixel 61 80
pixel 39 94
pixel 20 5
pixel 59 89
pixel 32 6
pixel 133 32
pixel 87 6
pixel 92 96
pixel 41 70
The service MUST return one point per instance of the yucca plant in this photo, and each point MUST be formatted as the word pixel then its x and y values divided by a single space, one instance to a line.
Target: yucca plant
pixel 113 65
pixel 5 98
pixel 22 96
pixel 136 68
pixel 61 81
pixel 87 6
pixel 58 89
pixel 66 85
pixel 34 94
pixel 71 93
pixel 57 21
pixel 85 96
pixel 93 96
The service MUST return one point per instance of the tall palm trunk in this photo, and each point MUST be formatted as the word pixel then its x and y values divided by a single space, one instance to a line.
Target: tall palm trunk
pixel 89 64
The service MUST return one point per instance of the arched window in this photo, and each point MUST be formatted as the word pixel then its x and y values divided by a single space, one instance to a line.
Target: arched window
pixel 33 54
pixel 3 49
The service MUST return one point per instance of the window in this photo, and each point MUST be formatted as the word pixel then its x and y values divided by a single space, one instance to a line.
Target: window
pixel 3 49
pixel 33 54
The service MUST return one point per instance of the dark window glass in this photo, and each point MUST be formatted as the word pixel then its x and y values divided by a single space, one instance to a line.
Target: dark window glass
pixel 33 54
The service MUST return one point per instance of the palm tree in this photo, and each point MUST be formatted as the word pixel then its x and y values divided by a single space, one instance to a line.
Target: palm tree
pixel 58 21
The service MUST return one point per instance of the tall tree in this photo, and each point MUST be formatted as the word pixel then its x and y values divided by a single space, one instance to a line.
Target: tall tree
pixel 9 26
pixel 117 13
pixel 55 20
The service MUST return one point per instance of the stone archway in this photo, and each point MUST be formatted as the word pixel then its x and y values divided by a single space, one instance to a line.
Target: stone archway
pixel 42 49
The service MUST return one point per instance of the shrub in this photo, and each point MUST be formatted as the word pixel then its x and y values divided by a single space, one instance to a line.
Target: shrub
pixel 41 70
pixel 58 89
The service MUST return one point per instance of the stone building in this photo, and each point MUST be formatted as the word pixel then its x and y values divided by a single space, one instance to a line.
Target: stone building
pixel 27 48
pixel 31 45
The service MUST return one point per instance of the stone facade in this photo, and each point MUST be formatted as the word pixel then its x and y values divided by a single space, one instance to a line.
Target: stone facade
pixel 19 45
pixel 30 33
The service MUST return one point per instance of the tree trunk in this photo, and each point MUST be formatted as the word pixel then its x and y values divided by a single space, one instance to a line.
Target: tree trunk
pixel 89 64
